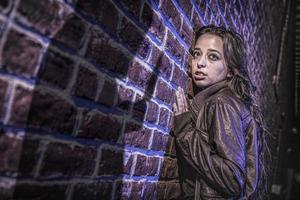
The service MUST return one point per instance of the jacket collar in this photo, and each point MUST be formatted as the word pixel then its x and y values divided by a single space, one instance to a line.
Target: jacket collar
pixel 199 99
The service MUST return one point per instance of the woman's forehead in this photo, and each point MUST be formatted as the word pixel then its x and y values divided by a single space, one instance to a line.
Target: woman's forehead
pixel 208 40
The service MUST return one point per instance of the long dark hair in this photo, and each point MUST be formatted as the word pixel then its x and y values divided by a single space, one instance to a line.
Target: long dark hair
pixel 241 85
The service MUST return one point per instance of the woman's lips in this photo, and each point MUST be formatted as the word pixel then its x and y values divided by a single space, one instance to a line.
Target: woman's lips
pixel 199 75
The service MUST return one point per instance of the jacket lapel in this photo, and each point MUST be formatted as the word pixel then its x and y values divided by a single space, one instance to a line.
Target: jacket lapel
pixel 199 99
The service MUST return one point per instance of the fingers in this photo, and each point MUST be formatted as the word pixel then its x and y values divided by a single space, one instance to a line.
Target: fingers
pixel 175 109
pixel 183 100
pixel 179 101
pixel 180 104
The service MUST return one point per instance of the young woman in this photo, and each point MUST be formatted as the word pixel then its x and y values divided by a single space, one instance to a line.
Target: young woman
pixel 219 134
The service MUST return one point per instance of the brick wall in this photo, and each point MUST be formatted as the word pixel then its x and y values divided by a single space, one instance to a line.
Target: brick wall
pixel 86 89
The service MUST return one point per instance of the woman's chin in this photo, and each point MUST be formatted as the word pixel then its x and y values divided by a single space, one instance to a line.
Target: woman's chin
pixel 201 83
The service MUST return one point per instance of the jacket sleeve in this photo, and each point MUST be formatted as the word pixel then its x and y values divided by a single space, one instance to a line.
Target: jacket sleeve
pixel 218 154
pixel 252 158
pixel 181 123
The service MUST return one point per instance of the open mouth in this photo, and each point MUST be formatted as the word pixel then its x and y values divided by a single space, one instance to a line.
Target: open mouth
pixel 199 75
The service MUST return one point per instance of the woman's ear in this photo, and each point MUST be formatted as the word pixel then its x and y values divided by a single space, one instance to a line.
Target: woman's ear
pixel 229 74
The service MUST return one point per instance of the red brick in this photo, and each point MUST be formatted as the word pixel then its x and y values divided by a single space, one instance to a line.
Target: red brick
pixel 46 16
pixel 201 5
pixel 125 98
pixel 135 40
pixel 139 75
pixel 242 20
pixel 152 112
pixel 146 166
pixel 213 4
pixel 109 19
pixel 134 8
pixel 187 6
pixel 164 92
pixel 220 21
pixel 97 190
pixel 97 125
pixel 40 191
pixel 163 117
pixel 208 15
pixel 161 63
pixel 186 33
pixel 2 28
pixel 122 190
pixel 103 11
pixel 171 12
pixel 169 168
pixel 156 55
pixel 3 89
pixel 227 16
pixel 132 126
pixel 160 141
pixel 10 151
pixel 153 22
pixel 136 190
pixel 111 162
pixel 179 77
pixel 196 21
pixel 108 93
pixel 150 191
pixel 139 108
pixel 128 162
pixel 21 106
pixel 72 33
pixel 20 54
pixel 172 190
pixel 80 160
pixel 128 190
pixel 86 83
pixel 48 110
pixel 168 190
pixel 222 6
pixel 174 47
pixel 238 7
pixel 101 52
pixel 161 190
pixel 30 156
pixel 139 138
pixel 56 69
pixel 156 3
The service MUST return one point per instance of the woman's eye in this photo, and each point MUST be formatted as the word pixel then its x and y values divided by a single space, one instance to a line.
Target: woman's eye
pixel 196 54
pixel 213 57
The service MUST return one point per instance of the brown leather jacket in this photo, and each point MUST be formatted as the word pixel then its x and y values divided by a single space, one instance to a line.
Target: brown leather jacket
pixel 217 147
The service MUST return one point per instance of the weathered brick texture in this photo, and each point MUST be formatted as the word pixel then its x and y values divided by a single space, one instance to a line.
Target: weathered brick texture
pixel 97 190
pixel 87 87
pixel 20 54
pixel 64 160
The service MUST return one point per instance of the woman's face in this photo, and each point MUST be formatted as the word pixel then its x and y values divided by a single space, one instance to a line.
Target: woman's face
pixel 208 63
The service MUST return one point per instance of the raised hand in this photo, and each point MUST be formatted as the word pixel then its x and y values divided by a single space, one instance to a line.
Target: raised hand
pixel 180 105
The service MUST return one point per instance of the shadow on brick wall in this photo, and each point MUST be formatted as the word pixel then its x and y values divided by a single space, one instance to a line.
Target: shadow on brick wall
pixel 82 122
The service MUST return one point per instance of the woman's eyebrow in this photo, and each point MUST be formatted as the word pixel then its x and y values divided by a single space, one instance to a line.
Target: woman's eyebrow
pixel 214 50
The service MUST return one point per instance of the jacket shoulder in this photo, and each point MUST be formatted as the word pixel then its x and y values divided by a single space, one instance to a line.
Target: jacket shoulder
pixel 227 97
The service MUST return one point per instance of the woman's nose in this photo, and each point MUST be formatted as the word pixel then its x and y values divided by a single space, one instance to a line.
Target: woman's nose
pixel 201 62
